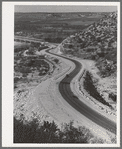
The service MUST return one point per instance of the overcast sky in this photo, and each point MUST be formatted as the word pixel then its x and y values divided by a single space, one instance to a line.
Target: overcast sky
pixel 54 8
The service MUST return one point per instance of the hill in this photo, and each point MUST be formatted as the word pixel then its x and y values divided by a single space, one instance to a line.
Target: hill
pixel 98 42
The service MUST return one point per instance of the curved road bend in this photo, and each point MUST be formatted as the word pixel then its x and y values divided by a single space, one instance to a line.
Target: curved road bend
pixel 67 94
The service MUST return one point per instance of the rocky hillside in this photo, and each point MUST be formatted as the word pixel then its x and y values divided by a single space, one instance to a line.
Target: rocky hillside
pixel 98 42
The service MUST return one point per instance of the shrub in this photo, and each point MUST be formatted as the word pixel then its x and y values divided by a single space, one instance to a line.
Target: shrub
pixel 113 97
pixel 56 60
pixel 71 134
pixel 48 132
pixel 25 74
pixel 16 79
pixel 91 89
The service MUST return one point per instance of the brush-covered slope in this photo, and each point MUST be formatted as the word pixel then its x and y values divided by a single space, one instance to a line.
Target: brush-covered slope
pixel 97 42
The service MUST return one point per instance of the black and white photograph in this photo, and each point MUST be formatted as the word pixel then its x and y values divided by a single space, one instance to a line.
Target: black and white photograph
pixel 63 61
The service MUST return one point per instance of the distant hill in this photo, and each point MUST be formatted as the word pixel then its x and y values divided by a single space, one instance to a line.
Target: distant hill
pixel 53 27
pixel 97 42
pixel 65 21
pixel 69 15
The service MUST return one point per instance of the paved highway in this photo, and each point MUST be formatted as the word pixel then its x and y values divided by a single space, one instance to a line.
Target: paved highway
pixel 67 94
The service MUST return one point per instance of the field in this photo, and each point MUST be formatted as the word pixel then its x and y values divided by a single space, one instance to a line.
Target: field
pixel 53 27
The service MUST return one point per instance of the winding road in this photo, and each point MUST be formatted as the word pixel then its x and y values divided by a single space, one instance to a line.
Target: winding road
pixel 67 94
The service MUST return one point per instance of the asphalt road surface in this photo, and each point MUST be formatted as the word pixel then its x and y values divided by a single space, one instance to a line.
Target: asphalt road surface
pixel 67 94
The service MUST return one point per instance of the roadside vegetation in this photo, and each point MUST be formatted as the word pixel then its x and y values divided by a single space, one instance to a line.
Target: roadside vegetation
pixel 28 65
pixel 92 90
pixel 98 42
pixel 21 48
pixel 48 132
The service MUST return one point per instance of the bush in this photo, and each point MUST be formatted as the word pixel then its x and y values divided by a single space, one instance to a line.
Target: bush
pixel 24 74
pixel 48 132
pixel 91 89
pixel 33 133
pixel 113 97
pixel 42 48
pixel 41 73
pixel 71 134
pixel 25 69
pixel 70 46
pixel 56 60
pixel 16 79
